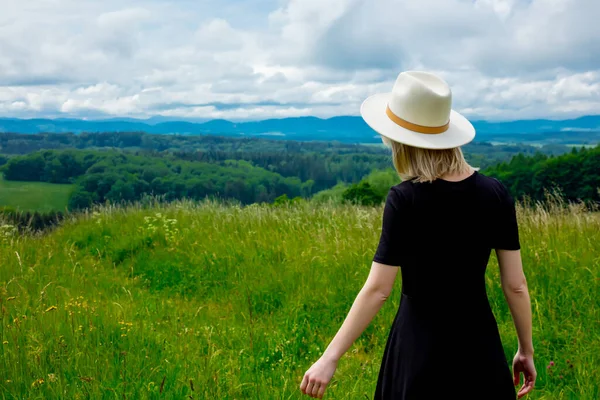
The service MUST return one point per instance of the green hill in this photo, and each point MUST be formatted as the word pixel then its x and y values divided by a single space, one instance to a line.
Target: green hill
pixel 227 302
pixel 34 196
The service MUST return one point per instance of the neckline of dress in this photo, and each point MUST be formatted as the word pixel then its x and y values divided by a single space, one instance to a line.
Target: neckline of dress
pixel 468 178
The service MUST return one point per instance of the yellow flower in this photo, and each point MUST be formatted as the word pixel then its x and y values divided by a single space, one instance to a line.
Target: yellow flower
pixel 11 298
pixel 51 308
pixel 5 342
pixel 37 382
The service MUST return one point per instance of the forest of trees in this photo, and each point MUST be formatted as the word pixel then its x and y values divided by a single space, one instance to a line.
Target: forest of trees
pixel 128 166
pixel 115 176
pixel 261 152
pixel 17 143
pixel 576 174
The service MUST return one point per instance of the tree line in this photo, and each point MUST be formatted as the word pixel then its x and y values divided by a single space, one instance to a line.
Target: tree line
pixel 286 155
pixel 115 176
pixel 575 174
pixel 260 170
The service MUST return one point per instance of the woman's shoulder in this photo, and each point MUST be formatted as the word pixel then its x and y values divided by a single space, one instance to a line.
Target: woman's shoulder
pixel 402 192
pixel 493 187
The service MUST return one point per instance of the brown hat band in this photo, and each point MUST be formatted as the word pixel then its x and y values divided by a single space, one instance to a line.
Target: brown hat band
pixel 414 127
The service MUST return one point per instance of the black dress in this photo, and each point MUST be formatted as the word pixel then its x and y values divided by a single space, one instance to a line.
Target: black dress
pixel 444 340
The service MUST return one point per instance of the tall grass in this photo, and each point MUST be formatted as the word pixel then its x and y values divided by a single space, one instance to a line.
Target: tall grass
pixel 214 301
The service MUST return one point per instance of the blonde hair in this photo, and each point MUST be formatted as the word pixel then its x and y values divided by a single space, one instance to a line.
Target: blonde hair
pixel 426 165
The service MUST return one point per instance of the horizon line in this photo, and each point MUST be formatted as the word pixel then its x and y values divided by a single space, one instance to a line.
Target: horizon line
pixel 200 121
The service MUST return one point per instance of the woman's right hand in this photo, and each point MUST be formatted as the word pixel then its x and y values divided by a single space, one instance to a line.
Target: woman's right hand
pixel 524 363
pixel 318 376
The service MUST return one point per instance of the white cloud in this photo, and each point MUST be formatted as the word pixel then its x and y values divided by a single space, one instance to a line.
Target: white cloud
pixel 504 59
pixel 219 36
pixel 125 18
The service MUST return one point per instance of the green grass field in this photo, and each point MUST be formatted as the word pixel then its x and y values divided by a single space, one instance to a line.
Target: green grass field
pixel 34 196
pixel 210 301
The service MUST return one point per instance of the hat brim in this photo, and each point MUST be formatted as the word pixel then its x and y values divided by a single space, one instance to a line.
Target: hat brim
pixel 373 111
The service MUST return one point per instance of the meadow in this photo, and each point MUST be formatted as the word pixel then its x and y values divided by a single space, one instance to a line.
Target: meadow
pixel 217 301
pixel 34 196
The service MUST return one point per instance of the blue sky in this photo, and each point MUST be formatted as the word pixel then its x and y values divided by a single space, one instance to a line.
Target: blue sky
pixel 255 59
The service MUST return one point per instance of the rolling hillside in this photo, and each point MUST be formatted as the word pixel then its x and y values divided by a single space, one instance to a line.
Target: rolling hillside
pixel 207 301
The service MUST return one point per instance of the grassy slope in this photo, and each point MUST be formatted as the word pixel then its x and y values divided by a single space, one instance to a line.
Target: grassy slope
pixel 238 302
pixel 34 196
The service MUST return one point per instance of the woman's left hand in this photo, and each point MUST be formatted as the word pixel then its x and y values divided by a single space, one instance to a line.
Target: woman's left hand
pixel 317 377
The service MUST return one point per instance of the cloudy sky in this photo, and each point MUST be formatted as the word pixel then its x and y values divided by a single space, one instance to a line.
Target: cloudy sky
pixel 255 59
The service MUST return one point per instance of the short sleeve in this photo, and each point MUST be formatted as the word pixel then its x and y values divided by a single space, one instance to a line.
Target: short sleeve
pixel 390 241
pixel 506 230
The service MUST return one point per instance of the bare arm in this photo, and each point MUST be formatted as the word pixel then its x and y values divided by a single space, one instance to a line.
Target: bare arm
pixel 514 286
pixel 368 302
pixel 516 292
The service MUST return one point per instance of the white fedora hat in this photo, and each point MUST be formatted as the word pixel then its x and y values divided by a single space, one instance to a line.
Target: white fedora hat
pixel 418 112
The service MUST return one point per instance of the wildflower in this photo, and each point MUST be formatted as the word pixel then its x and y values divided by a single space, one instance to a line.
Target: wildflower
pixel 5 342
pixel 51 377
pixel 51 308
pixel 11 298
pixel 37 382
pixel 552 363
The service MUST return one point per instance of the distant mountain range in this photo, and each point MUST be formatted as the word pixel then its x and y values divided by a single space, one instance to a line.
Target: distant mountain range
pixel 345 129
